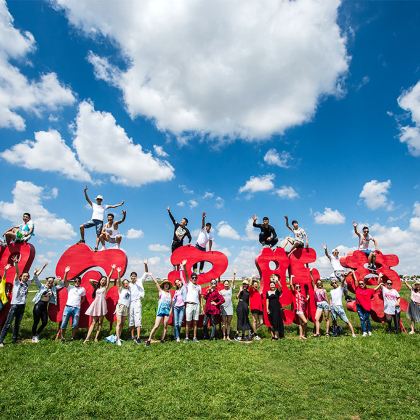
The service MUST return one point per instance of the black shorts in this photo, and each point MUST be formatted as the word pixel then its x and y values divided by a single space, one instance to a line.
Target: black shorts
pixel 176 245
pixel 256 312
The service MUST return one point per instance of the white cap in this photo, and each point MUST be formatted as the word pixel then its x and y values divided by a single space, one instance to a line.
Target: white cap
pixel 334 250
pixel 99 197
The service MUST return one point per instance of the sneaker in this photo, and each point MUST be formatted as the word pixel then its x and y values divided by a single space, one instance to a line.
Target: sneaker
pixel 1 345
pixel 186 340
pixel 256 338
pixel 35 339
pixel 369 333
pixel 238 338
pixel 354 335
pixel 147 343
pixel 364 334
pixel 411 332
pixel 118 342
pixel 195 340
pixel 162 340
pixel 178 340
pixel 82 241
pixel 137 341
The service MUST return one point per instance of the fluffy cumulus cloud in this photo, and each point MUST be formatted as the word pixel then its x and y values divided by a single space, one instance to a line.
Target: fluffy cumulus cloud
pixel 375 194
pixel 27 197
pixel 48 152
pixel 192 203
pixel 103 147
pixel 415 220
pixel 134 233
pixel 158 248
pixel 329 217
pixel 17 92
pixel 251 233
pixel 281 159
pixel 160 151
pixel 244 262
pixel 258 184
pixel 410 134
pixel 286 191
pixel 225 230
pixel 190 63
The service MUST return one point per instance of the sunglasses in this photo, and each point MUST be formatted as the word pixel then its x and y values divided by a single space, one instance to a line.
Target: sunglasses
pixel 389 284
pixel 297 286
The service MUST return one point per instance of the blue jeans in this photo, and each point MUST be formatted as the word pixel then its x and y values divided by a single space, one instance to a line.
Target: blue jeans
pixel 74 313
pixel 15 313
pixel 364 319
pixel 178 318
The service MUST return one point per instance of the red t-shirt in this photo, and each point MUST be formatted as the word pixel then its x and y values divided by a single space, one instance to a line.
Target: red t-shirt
pixel 363 297
pixel 255 300
pixel 217 298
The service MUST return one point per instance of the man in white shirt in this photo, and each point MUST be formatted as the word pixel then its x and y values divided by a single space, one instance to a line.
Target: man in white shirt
pixel 336 306
pixel 135 310
pixel 204 237
pixel 391 299
pixel 192 304
pixel 300 237
pixel 22 232
pixel 364 240
pixel 97 219
pixel 75 296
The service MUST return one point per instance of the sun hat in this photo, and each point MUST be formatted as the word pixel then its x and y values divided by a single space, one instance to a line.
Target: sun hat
pixel 165 281
pixel 99 197
pixel 245 282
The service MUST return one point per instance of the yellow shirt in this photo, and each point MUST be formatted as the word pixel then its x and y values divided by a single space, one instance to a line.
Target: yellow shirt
pixel 3 296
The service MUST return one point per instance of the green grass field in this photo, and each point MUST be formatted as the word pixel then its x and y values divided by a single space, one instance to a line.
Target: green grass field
pixel 340 378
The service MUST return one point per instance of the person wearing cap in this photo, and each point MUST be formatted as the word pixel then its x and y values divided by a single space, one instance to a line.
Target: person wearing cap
pixel 242 313
pixel 164 309
pixel 211 309
pixel 391 299
pixel 268 235
pixel 204 237
pixel 98 308
pixel 413 312
pixel 97 219
pixel 192 304
pixel 299 240
pixel 364 240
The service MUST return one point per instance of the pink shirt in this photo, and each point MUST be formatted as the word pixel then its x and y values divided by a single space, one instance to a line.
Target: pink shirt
pixel 320 295
pixel 415 296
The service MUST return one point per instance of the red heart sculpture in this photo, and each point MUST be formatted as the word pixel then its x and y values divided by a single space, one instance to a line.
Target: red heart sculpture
pixel 26 252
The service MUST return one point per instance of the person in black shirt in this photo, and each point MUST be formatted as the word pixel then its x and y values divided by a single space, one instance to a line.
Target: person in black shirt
pixel 180 231
pixel 268 235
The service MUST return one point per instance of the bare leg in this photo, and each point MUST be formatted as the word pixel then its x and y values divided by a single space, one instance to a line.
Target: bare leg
pixel 228 323
pixel 224 321
pixel 327 323
pixel 119 238
pixel 155 327
pixel 82 232
pixel 165 326
pixel 74 332
pixel 91 328
pixel 318 314
pixel 412 325
pixel 302 326
pixel 98 331
pixel 187 328
pixel 138 332
pixel 351 328
pixel 194 329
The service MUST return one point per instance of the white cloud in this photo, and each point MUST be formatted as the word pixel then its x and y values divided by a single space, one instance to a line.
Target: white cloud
pixel 225 251
pixel 158 248
pixel 258 184
pixel 415 220
pixel 158 267
pixel 208 195
pixel 225 230
pixel 410 101
pixel 193 203
pixel 329 217
pixel 282 159
pixel 17 93
pixel 185 189
pixel 287 192
pixel 251 233
pixel 219 203
pixel 104 147
pixel 159 151
pixel 134 233
pixel 48 152
pixel 375 194
pixel 189 76
pixel 180 204
pixel 244 262
pixel 27 197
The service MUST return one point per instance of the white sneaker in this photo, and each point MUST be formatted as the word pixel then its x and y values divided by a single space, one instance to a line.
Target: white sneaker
pixel 364 334
pixel 369 333
pixel 411 332
pixel 1 345
pixel 35 339
pixel 178 340
pixel 256 338
pixel 118 342
pixel 354 335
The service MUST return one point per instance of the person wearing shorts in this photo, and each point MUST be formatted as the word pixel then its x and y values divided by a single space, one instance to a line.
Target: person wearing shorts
pixel 135 310
pixel 110 231
pixel 364 240
pixel 192 305
pixel 322 306
pixel 299 240
pixel 204 237
pixel 300 301
pixel 97 219
pixel 75 296
pixel 336 306
pixel 123 305
pixel 22 232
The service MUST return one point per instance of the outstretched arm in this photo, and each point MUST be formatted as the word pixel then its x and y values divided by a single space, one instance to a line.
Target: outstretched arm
pixel 156 283
pixel 119 278
pixel 146 267
pixel 185 272
pixel 380 282
pixel 38 271
pixel 326 252
pixel 355 229
pixel 254 221
pixel 286 219
pixel 405 281
pixel 108 279
pixel 17 273
pixel 171 216
pixel 124 214
pixel 114 206
pixel 87 197
pixel 66 272
pixel 203 220
pixel 233 280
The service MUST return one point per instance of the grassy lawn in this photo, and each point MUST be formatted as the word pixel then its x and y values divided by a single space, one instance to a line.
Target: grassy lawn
pixel 341 377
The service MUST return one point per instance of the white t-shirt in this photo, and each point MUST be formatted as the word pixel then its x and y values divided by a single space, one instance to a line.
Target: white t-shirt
pixel 364 242
pixel 337 296
pixel 98 211
pixel 74 296
pixel 124 296
pixel 193 293
pixel 300 235
pixel 137 289
pixel 390 300
pixel 336 265
pixel 204 237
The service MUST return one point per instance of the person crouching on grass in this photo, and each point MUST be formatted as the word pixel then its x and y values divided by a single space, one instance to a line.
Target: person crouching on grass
pixel 164 309
pixel 123 305
pixel 98 308
pixel 212 309
pixel 300 306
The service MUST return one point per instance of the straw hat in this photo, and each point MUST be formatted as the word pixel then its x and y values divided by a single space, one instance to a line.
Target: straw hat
pixel 163 283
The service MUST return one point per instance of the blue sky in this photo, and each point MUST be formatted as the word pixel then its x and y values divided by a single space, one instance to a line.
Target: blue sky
pixel 303 108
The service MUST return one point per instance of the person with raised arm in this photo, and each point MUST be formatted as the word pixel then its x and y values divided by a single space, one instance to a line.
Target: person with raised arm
pixel 98 308
pixel 21 285
pixel 180 231
pixel 274 309
pixel 164 309
pixel 192 304
pixel 76 294
pixel 364 305
pixel 137 295
pixel 299 240
pixel 268 235
pixel 46 295
pixel 391 299
pixel 178 301
pixel 413 312
pixel 22 232
pixel 123 305
pixel 211 309
pixel 204 237
pixel 4 288
pixel 97 219
pixel 322 306
pixel 364 240
pixel 300 306
pixel 110 231
pixel 242 313
pixel 227 306
pixel 256 308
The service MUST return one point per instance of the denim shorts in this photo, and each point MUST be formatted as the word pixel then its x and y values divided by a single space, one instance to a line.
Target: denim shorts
pixel 94 222
pixel 74 313
pixel 337 311
pixel 367 251
pixel 323 305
